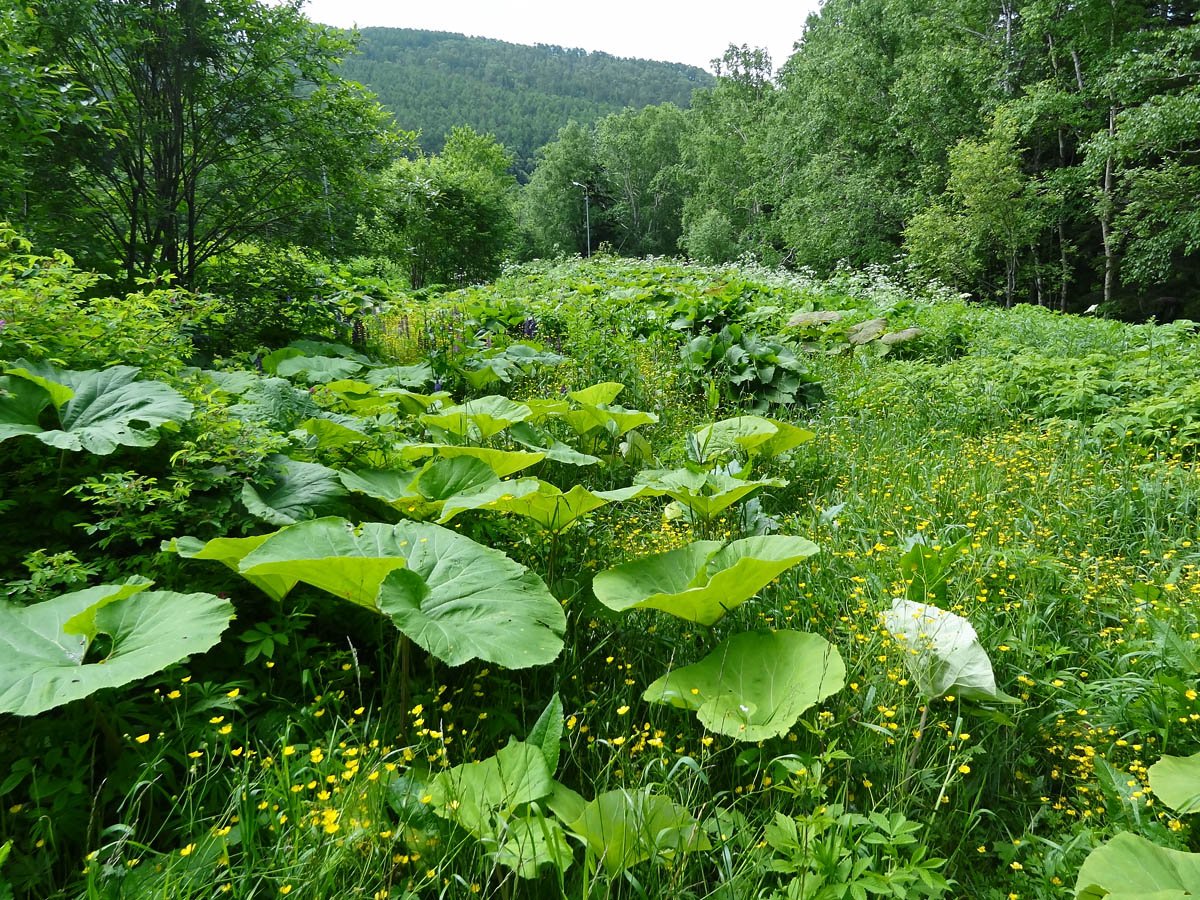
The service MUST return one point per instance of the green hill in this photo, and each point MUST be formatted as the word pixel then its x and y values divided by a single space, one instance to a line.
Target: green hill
pixel 433 81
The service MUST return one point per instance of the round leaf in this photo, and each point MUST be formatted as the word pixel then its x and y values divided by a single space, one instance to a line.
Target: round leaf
pixel 460 601
pixel 755 685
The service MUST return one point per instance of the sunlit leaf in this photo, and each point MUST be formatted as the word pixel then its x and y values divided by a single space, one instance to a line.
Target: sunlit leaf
pixel 755 685
pixel 702 581
pixel 943 652
pixel 1129 867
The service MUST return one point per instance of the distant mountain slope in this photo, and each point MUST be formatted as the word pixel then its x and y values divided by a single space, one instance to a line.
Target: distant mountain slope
pixel 433 81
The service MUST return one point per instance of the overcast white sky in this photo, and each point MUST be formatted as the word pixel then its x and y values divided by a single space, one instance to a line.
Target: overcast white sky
pixel 672 30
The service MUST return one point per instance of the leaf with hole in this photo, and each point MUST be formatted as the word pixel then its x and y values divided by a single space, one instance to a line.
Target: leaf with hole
pixel 43 663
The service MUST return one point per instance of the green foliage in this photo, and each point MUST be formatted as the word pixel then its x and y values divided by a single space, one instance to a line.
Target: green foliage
pixel 702 581
pixel 754 685
pixel 47 664
pixel 433 81
pixel 231 139
pixel 448 219
pixel 98 411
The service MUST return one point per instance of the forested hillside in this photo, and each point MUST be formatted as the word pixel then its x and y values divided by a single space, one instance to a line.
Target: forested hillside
pixel 433 81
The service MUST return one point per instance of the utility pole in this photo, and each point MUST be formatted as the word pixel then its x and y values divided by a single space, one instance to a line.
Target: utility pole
pixel 587 216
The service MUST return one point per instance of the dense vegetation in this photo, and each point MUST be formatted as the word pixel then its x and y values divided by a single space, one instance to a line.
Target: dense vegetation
pixel 433 82
pixel 332 569
pixel 1032 151
pixel 525 600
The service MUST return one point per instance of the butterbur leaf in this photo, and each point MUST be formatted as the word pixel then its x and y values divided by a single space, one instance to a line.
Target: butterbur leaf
pixel 43 647
pixel 502 462
pixel 943 652
pixel 332 555
pixel 597 394
pixel 615 420
pixel 298 490
pixel 230 552
pixel 98 410
pixel 755 685
pixel 479 419
pixel 401 376
pixel 702 581
pixel 551 508
pixel 531 842
pixel 1175 781
pixel 623 828
pixel 317 369
pixel 21 405
pixel 1129 867
pixel 754 435
pixel 459 601
pixel 705 493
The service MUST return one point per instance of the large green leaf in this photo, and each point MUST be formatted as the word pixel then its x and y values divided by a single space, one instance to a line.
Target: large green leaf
pixel 276 402
pixel 597 394
pixel 531 842
pixel 331 554
pixel 401 376
pixel 332 430
pixel 479 419
pixel 460 601
pixel 502 462
pixel 615 420
pixel 317 369
pixel 98 410
pixel 411 402
pixel 705 493
pixel 44 646
pixel 1129 867
pixel 702 581
pixel 756 684
pixel 488 798
pixel 754 435
pixel 623 828
pixel 1175 780
pixel 420 493
pixel 298 490
pixel 555 451
pixel 552 509
pixel 943 652
pixel 230 552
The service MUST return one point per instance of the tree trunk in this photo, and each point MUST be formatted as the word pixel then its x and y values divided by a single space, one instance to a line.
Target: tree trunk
pixel 1106 215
